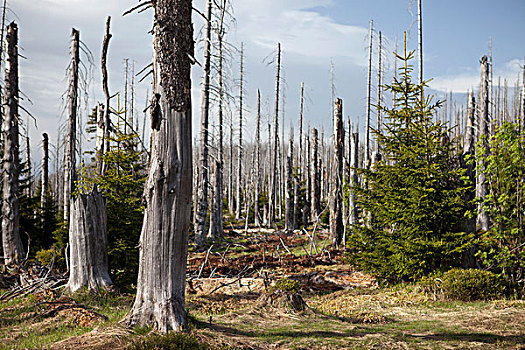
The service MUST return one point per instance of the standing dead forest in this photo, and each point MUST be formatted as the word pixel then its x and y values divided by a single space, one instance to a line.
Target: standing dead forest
pixel 191 208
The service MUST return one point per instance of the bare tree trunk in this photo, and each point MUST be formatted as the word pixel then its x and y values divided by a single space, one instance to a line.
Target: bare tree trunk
pixel 230 174
pixel 273 188
pixel 72 101
pixel 106 124
pixel 368 98
pixel 29 170
pixel 11 242
pixel 216 217
pixel 301 154
pixel 161 283
pixel 308 195
pixel 336 215
pixel 289 221
pixel 354 164
pixel 45 170
pixel 88 255
pixel 203 182
pixel 469 148
pixel 483 124
pixel 257 160
pixel 239 155
pixel 420 42
pixel 379 93
pixel 316 180
pixel 522 119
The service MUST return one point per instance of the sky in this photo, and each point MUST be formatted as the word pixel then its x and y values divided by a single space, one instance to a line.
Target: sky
pixel 314 34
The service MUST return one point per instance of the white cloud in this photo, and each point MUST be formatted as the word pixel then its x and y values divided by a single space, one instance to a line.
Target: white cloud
pixel 469 78
pixel 300 30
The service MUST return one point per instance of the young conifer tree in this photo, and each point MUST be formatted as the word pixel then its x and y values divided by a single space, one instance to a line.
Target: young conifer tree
pixel 416 191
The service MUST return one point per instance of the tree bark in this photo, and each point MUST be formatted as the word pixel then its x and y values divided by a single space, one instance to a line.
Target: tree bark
pixel 11 242
pixel 289 221
pixel 273 188
pixel 316 180
pixel 88 255
pixel 161 283
pixel 106 123
pixel 483 132
pixel 368 98
pixel 72 101
pixel 308 196
pixel 354 164
pixel 45 170
pixel 336 216
pixel 257 160
pixel 239 154
pixel 216 217
pixel 203 183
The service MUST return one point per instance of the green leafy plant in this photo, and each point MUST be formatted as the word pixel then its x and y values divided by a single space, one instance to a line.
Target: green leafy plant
pixel 412 199
pixel 502 247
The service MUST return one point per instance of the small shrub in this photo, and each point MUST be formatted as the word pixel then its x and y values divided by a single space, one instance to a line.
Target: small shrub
pixel 45 256
pixel 466 285
pixel 285 285
pixel 169 341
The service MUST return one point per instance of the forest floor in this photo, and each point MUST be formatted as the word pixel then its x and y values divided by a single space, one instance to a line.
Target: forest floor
pixel 346 309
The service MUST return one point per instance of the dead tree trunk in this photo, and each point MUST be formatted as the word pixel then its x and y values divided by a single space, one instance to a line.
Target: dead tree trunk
pixel 216 216
pixel 379 96
pixel 420 41
pixel 354 164
pixel 469 148
pixel 522 119
pixel 161 282
pixel 483 132
pixel 308 199
pixel 301 154
pixel 239 154
pixel 316 178
pixel 106 124
pixel 289 221
pixel 336 215
pixel 88 251
pixel 88 255
pixel 273 171
pixel 11 242
pixel 368 99
pixel 203 183
pixel 45 170
pixel 72 100
pixel 257 160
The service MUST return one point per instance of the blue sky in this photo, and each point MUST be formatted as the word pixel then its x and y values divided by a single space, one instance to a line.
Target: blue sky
pixel 313 33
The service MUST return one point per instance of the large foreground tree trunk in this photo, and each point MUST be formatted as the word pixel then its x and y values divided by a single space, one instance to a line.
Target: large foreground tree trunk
pixel 164 239
pixel 11 242
pixel 88 252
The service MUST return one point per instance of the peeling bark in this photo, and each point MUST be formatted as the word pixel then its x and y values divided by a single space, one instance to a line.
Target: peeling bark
pixel 11 242
pixel 161 283
pixel 336 215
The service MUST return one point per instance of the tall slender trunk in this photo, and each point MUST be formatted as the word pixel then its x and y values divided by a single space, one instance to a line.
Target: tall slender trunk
pixel 368 98
pixel 72 101
pixel 308 195
pixel 301 154
pixel 106 124
pixel 420 42
pixel 11 241
pixel 201 216
pixel 29 188
pixel 379 92
pixel 354 164
pixel 160 297
pixel 289 222
pixel 45 170
pixel 257 160
pixel 239 154
pixel 469 147
pixel 216 218
pixel 273 189
pixel 483 132
pixel 315 175
pixel 336 217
